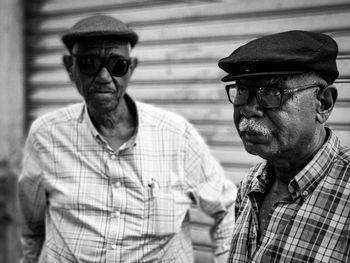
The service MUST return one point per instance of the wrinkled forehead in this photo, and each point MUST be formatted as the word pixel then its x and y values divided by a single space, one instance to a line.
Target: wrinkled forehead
pixel 98 46
pixel 263 81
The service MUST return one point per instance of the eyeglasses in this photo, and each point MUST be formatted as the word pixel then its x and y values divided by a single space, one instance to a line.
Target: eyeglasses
pixel 267 97
pixel 90 65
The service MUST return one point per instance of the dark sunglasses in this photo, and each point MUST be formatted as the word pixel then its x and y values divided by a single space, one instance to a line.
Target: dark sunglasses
pixel 267 97
pixel 90 65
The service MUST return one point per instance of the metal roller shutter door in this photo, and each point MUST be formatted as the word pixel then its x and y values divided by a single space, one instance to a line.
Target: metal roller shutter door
pixel 180 44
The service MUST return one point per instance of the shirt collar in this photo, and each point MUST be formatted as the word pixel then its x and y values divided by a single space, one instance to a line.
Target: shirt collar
pixel 131 142
pixel 305 182
pixel 263 179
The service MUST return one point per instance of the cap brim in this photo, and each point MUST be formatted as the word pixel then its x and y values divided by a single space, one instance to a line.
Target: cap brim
pixel 231 77
pixel 70 38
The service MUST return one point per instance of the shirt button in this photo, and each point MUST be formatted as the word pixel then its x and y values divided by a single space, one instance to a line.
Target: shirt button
pixel 305 194
pixel 118 184
pixel 114 246
pixel 113 157
pixel 117 213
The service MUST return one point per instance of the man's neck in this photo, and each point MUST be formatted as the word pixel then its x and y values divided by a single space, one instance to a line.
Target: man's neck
pixel 116 126
pixel 286 168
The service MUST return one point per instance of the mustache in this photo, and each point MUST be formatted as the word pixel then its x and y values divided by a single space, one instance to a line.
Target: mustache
pixel 251 125
pixel 110 87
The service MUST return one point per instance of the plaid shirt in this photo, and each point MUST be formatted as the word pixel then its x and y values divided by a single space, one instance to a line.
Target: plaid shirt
pixel 311 225
pixel 83 202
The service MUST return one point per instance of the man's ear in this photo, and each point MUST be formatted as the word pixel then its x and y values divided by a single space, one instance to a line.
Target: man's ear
pixel 133 65
pixel 326 98
pixel 68 64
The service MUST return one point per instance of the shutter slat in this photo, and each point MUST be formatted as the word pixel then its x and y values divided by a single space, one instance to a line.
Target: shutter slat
pixel 176 53
pixel 175 12
pixel 199 72
pixel 220 28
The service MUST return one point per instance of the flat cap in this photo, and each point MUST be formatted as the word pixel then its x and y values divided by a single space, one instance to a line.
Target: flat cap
pixel 290 52
pixel 99 26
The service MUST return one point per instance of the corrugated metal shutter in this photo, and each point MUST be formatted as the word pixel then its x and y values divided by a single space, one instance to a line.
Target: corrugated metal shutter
pixel 180 44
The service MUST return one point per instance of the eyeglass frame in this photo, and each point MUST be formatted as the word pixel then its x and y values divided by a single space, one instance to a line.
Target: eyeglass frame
pixel 282 91
pixel 103 63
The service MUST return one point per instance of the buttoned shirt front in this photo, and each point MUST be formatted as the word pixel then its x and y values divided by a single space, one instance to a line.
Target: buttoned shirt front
pixel 83 202
pixel 310 225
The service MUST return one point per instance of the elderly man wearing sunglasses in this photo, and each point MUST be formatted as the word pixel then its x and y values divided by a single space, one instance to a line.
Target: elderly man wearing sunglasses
pixel 294 206
pixel 112 179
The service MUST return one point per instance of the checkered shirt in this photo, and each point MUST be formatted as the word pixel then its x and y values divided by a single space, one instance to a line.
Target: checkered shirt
pixel 83 202
pixel 311 225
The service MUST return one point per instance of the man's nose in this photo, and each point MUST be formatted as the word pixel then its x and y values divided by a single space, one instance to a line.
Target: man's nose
pixel 103 75
pixel 252 107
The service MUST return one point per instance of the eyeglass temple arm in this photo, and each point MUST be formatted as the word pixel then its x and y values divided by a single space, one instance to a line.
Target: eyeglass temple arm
pixel 299 89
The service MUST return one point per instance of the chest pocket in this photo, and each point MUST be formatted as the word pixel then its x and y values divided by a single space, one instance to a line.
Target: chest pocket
pixel 165 209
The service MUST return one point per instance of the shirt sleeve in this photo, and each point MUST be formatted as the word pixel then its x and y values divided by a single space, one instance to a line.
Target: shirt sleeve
pixel 32 202
pixel 214 193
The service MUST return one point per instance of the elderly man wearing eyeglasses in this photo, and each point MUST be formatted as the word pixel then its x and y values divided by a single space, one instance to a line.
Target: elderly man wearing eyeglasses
pixel 294 206
pixel 113 179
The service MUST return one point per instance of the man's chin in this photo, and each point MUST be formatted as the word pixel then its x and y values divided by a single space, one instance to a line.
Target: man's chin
pixel 264 151
pixel 256 146
pixel 254 138
pixel 103 106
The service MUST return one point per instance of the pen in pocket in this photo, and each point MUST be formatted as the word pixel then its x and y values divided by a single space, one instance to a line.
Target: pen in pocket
pixel 154 186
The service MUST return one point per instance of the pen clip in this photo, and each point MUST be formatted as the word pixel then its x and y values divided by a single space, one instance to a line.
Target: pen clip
pixel 154 186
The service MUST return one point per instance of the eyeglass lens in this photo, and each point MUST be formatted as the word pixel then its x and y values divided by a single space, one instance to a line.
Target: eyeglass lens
pixel 91 65
pixel 267 97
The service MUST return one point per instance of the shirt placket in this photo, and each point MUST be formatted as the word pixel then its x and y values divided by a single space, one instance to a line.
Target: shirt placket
pixel 254 230
pixel 276 223
pixel 117 206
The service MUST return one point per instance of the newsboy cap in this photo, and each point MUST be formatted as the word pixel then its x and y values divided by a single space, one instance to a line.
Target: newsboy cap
pixel 290 52
pixel 99 26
